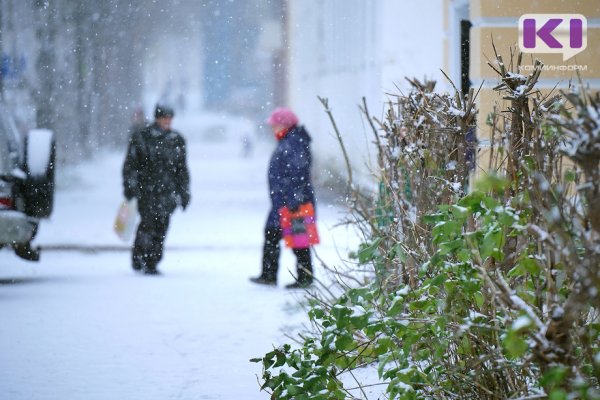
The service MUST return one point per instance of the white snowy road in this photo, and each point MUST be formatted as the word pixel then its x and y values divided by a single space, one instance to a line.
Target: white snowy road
pixel 81 325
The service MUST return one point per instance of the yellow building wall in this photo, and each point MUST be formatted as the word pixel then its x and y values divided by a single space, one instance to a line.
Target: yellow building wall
pixel 497 20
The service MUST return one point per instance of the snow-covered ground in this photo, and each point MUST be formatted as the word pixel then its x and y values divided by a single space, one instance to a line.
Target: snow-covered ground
pixel 81 325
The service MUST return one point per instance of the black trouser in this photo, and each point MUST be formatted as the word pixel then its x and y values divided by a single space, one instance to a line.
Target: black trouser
pixel 149 241
pixel 271 252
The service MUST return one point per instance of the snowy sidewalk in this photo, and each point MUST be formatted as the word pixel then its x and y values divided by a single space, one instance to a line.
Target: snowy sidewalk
pixel 81 325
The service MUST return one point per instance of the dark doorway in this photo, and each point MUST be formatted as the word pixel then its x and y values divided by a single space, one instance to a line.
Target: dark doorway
pixel 465 29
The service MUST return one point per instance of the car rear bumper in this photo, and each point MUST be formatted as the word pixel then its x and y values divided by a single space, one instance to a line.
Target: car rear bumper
pixel 16 227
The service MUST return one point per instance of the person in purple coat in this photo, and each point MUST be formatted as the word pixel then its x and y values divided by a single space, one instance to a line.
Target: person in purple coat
pixel 289 185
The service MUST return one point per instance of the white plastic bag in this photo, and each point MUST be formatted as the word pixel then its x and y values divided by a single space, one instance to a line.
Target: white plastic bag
pixel 126 219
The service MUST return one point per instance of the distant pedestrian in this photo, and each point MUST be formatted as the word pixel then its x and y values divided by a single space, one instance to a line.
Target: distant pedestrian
pixel 138 120
pixel 155 172
pixel 247 145
pixel 290 185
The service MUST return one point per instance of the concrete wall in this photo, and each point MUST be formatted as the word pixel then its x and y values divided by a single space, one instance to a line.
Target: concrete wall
pixel 346 49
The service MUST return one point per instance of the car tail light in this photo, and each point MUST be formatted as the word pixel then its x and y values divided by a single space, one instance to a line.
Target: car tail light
pixel 6 202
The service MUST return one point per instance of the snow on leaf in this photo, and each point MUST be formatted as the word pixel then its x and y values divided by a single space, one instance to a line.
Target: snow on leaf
pixel 521 323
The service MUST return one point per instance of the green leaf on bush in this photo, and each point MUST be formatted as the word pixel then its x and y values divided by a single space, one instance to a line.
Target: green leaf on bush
pixel 459 212
pixel 383 344
pixel 446 230
pixel 359 322
pixel 479 299
pixel 400 253
pixel 423 354
pixel 440 350
pixel 438 280
pixel 558 395
pixel 530 265
pixel 493 241
pixel 472 201
pixel 420 304
pixel 396 307
pixel 570 175
pixel 367 251
pixel 507 218
pixel 554 377
pixel 341 315
pixel 293 389
pixel 492 183
pixel 281 359
pixel 345 343
pixel 451 246
pixel 433 219
pixel 515 345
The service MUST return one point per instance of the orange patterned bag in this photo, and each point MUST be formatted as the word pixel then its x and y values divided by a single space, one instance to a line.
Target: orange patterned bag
pixel 299 228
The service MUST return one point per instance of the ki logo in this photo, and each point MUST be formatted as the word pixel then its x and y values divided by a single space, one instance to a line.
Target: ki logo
pixel 553 33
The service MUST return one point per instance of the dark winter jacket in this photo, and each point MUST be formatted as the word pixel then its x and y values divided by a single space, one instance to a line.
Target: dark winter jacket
pixel 155 170
pixel 289 173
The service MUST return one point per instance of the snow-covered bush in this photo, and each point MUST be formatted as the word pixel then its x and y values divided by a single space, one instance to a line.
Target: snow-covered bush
pixel 483 292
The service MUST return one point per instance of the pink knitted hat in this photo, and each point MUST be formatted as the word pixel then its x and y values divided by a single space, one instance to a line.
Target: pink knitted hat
pixel 282 116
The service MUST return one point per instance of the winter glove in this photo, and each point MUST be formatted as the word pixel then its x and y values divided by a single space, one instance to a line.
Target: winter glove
pixel 185 200
pixel 129 193
pixel 295 201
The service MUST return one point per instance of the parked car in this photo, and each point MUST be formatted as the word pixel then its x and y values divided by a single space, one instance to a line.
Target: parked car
pixel 26 184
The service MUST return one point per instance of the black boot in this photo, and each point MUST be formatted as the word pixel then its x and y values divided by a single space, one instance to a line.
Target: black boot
pixel 304 268
pixel 270 260
pixel 151 271
pixel 26 252
pixel 137 262
pixel 300 284
pixel 264 280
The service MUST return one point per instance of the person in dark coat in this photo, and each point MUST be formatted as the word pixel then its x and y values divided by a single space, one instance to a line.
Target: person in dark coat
pixel 155 172
pixel 290 185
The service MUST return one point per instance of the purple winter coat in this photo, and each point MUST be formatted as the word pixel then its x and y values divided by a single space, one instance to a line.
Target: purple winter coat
pixel 289 173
